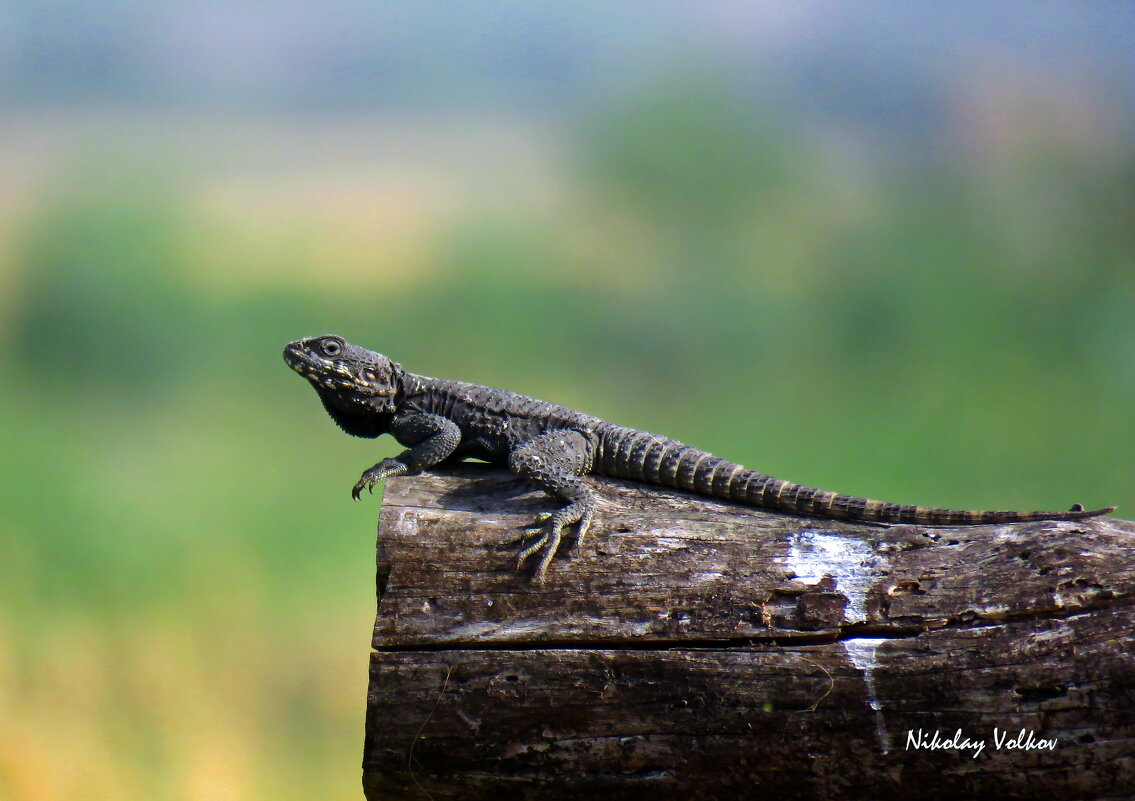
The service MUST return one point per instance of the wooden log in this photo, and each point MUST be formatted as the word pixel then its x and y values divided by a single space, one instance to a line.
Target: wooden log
pixel 695 649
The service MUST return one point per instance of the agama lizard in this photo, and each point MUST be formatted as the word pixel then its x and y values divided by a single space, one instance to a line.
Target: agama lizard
pixel 554 447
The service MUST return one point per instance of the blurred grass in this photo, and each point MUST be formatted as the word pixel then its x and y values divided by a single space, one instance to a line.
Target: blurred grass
pixel 188 592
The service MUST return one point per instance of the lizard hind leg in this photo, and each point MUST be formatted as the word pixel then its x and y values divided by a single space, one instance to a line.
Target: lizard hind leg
pixel 555 461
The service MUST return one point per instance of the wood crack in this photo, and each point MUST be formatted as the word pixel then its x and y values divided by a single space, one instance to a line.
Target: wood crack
pixel 699 650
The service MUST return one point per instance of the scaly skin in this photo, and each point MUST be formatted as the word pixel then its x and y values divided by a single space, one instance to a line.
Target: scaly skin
pixel 554 447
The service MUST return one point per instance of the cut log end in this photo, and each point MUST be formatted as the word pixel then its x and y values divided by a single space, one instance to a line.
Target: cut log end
pixel 697 649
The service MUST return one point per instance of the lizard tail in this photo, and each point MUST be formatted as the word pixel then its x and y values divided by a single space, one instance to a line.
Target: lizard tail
pixel 641 456
pixel 761 490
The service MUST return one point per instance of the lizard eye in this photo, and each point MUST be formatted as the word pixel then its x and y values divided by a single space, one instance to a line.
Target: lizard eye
pixel 331 347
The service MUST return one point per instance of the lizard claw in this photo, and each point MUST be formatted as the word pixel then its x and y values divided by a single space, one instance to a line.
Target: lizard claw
pixel 530 549
pixel 372 476
pixel 582 527
pixel 553 524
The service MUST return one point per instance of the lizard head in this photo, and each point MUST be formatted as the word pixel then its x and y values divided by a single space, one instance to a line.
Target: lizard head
pixel 345 375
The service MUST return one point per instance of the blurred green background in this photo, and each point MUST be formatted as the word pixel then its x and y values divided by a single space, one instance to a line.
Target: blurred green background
pixel 886 250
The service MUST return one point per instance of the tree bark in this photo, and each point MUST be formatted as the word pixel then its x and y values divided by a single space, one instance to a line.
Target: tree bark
pixel 698 649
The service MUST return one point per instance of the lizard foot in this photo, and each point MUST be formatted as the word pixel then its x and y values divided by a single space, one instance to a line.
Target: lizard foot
pixel 382 470
pixel 552 524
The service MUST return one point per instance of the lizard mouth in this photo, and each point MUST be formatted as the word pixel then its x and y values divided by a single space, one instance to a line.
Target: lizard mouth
pixel 303 362
pixel 363 379
pixel 324 374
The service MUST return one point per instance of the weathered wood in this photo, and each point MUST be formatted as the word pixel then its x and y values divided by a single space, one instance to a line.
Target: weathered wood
pixel 697 649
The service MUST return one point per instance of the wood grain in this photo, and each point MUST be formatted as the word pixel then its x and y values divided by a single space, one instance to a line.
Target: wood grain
pixel 697 649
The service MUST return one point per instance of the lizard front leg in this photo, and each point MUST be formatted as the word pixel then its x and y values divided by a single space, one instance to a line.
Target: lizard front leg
pixel 431 438
pixel 554 461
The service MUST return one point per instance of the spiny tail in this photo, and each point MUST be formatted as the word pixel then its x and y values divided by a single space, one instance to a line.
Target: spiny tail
pixel 640 456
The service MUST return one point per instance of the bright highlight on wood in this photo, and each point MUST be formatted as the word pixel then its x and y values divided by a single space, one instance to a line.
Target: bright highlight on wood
pixel 697 649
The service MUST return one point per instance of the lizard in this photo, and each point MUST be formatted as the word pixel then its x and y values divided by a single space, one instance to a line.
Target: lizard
pixel 554 447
